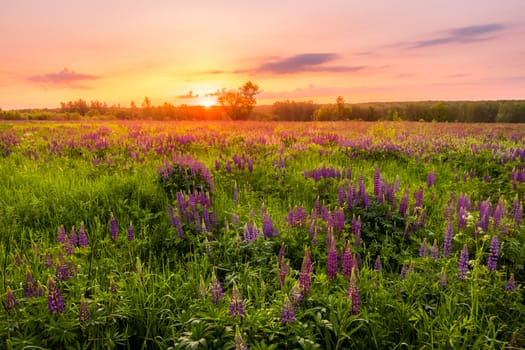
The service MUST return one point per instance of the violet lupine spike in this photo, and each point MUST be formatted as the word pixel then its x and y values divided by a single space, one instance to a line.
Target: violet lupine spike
pixel 353 293
pixel 251 233
pixel 82 237
pixel 423 248
pixel 377 182
pixel 365 201
pixel 404 271
pixel 283 272
pixel 55 303
pixel 131 233
pixel 48 260
pixel 447 243
pixel 61 234
pixel 236 303
pixel 332 260
pixel 305 274
pixel 295 295
pixel 84 313
pixel 498 213
pixel 463 263
pixel 29 285
pixel 113 227
pixel 238 341
pixel 377 264
pixel 287 311
pixel 215 289
pixel 431 179
pixel 510 286
pixel 206 219
pixel 10 300
pixel 267 226
pixel 492 261
pixel 517 212
pixel 418 196
pixel 347 260
pixel 403 205
pixel 73 236
pixel 341 196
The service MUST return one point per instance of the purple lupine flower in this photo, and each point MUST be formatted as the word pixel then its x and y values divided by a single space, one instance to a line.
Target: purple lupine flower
pixel 365 201
pixel 443 278
pixel 283 272
pixel 48 260
pixel 498 213
pixel 206 219
pixel 356 230
pixel 113 227
pixel 517 211
pixel 70 248
pixel 492 261
pixel 295 295
pixel 215 289
pixel 131 232
pixel 267 226
pixel 341 196
pixel 404 271
pixel 171 213
pixel 332 262
pixel 423 249
pixel 287 312
pixel 55 303
pixel 377 264
pixel 82 237
pixel 353 293
pixel 251 233
pixel 418 196
pixel 10 300
pixel 29 285
pixel 61 234
pixel 484 215
pixel 62 268
pixel 510 286
pixel 84 314
pixel 447 243
pixel 73 237
pixel 348 262
pixel 305 275
pixel 238 341
pixel 235 219
pixel 463 263
pixel 377 183
pixel 236 303
pixel 431 179
pixel 403 205
pixel 178 225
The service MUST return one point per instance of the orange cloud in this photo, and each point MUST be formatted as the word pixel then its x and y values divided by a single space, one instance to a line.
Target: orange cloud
pixel 66 77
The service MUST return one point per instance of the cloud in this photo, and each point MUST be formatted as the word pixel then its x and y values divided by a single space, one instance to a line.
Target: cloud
pixel 467 34
pixel 189 95
pixel 306 62
pixel 65 77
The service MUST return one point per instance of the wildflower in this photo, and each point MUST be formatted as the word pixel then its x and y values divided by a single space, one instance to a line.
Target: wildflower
pixel 61 234
pixel 365 201
pixel 73 237
pixel 238 341
pixel 54 299
pixel 295 295
pixel 235 194
pixel 353 293
pixel 113 227
pixel 250 232
pixel 498 213
pixel 267 226
pixel 511 283
pixel 434 251
pixel 48 259
pixel 403 205
pixel 84 314
pixel 305 275
pixel 377 264
pixel 418 196
pixel 356 230
pixel 287 312
pixel 377 183
pixel 131 233
pixel 492 261
pixel 283 272
pixel 29 286
pixel 82 237
pixel 236 303
pixel 215 289
pixel 348 262
pixel 463 263
pixel 447 243
pixel 10 300
pixel 431 179
pixel 332 263
pixel 423 248
pixel 404 271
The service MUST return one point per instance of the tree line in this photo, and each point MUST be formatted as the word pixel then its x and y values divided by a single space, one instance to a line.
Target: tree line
pixel 240 104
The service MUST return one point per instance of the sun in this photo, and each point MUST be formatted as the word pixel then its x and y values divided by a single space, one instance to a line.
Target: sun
pixel 207 102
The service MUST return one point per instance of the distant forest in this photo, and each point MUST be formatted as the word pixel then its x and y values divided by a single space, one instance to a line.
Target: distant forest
pixel 512 111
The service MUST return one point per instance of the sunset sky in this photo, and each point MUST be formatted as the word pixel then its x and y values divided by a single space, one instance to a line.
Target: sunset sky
pixel 120 51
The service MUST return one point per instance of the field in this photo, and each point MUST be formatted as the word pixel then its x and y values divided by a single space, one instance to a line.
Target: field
pixel 343 235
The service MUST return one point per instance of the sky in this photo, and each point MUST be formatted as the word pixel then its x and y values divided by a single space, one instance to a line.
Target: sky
pixel 181 52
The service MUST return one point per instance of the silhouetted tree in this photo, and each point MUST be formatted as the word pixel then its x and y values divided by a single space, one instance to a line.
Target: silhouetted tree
pixel 238 104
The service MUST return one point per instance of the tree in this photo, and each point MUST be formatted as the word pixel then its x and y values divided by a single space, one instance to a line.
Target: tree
pixel 238 104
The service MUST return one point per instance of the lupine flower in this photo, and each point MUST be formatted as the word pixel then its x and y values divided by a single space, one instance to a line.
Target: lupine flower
pixel 82 237
pixel 447 243
pixel 434 252
pixel 131 233
pixel 463 263
pixel 377 183
pixel 70 248
pixel 113 227
pixel 10 300
pixel 238 341
pixel 236 303
pixel 442 278
pixel 492 260
pixel 61 234
pixel 332 262
pixel 365 201
pixel 295 295
pixel 48 259
pixel 283 272
pixel 403 205
pixel 215 289
pixel 348 262
pixel 305 275
pixel 250 232
pixel 431 179
pixel 287 311
pixel 267 226
pixel 404 271
pixel 418 196
pixel 353 293
pixel 84 314
pixel 377 264
pixel 54 299
pixel 498 213
pixel 511 283
pixel 73 236
pixel 29 286
pixel 423 248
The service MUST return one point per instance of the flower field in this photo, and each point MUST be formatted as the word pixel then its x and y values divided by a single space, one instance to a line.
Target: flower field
pixel 344 235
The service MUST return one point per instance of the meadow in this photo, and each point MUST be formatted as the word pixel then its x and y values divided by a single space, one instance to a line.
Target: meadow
pixel 253 235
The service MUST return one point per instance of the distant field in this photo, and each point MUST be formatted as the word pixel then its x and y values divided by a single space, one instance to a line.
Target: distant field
pixel 276 235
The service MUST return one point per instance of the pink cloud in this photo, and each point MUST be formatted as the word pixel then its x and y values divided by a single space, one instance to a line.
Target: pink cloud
pixel 66 77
